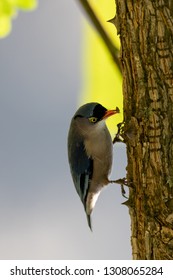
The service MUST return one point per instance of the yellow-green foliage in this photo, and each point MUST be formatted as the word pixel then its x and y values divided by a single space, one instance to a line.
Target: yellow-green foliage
pixel 9 10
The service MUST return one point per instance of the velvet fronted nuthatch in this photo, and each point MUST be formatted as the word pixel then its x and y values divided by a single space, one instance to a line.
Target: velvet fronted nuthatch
pixel 90 152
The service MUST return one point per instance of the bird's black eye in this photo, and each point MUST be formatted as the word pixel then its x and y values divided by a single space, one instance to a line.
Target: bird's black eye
pixel 92 119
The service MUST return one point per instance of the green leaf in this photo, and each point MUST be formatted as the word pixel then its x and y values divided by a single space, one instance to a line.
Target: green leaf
pixel 5 26
pixel 8 10
pixel 26 4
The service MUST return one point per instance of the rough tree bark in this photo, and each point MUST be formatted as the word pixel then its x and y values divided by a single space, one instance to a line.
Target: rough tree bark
pixel 146 34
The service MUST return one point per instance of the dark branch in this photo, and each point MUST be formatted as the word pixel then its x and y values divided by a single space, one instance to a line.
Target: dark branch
pixel 110 45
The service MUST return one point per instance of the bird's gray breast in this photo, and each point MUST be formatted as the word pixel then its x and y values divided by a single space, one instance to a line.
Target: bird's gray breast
pixel 99 147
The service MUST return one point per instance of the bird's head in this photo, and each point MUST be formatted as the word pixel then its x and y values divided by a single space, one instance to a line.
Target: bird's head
pixel 93 113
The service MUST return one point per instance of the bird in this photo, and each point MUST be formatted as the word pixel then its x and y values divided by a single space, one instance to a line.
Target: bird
pixel 90 153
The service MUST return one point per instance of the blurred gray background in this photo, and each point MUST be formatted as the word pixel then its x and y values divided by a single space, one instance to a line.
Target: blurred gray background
pixel 41 216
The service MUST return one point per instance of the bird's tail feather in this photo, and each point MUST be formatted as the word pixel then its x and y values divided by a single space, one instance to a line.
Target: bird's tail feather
pixel 89 221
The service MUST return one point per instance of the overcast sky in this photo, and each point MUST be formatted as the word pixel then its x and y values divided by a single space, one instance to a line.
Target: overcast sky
pixel 41 215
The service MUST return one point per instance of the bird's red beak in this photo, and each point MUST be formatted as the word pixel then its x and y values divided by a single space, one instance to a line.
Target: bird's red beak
pixel 111 112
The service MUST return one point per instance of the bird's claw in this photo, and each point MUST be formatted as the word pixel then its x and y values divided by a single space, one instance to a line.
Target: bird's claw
pixel 122 182
pixel 119 136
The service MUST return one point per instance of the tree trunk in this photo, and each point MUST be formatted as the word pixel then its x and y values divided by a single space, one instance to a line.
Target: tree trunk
pixel 146 34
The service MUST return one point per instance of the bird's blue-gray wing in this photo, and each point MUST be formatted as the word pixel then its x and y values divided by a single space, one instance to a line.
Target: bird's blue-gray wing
pixel 81 167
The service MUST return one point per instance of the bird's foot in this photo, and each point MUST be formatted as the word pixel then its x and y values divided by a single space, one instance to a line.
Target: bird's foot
pixel 122 182
pixel 119 136
pixel 127 132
